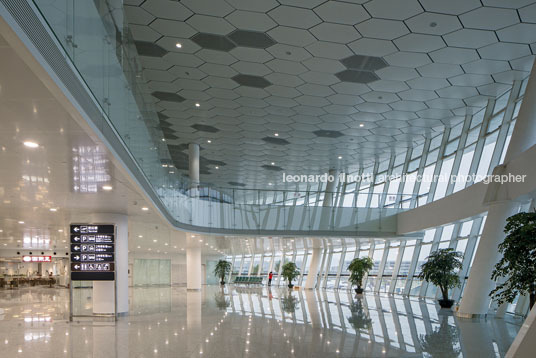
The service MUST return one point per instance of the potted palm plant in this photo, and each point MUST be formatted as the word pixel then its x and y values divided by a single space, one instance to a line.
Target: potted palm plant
pixel 221 270
pixel 358 268
pixel 440 269
pixel 290 272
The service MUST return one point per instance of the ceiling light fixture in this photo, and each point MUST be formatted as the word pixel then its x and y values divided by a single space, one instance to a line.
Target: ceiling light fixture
pixel 209 141
pixel 217 167
pixel 276 134
pixel 21 222
pixel 340 157
pixel 53 209
pixel 60 230
pixel 145 208
pixel 178 45
pixel 361 125
pixel 30 144
pixel 197 105
pixel 107 187
pixel 140 236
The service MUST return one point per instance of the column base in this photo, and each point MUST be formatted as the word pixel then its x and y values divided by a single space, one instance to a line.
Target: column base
pixel 471 315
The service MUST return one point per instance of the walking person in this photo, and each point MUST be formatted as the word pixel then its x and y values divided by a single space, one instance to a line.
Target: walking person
pixel 270 276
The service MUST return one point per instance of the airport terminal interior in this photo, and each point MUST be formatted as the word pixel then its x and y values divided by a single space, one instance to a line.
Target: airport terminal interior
pixel 267 178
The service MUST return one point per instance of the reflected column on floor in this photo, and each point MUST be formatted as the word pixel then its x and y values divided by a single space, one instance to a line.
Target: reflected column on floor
pixel 109 341
pixel 193 320
pixel 312 305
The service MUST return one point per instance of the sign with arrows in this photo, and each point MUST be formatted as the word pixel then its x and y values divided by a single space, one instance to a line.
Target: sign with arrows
pixel 92 252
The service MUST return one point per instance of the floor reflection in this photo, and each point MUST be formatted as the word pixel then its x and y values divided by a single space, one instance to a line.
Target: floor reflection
pixel 247 321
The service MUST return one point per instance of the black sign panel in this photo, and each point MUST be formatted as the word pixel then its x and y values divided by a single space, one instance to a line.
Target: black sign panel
pixel 94 239
pixel 92 257
pixel 92 252
pixel 92 248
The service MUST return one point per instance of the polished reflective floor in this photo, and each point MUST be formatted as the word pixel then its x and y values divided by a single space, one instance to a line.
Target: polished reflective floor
pixel 245 322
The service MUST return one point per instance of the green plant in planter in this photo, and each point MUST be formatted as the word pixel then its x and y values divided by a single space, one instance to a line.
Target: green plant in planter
pixel 221 270
pixel 290 272
pixel 358 268
pixel 518 264
pixel 440 269
pixel 359 318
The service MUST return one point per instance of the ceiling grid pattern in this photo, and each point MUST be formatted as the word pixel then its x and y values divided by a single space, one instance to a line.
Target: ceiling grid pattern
pixel 358 80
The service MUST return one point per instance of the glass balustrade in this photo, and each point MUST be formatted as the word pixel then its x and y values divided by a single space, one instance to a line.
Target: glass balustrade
pixel 96 40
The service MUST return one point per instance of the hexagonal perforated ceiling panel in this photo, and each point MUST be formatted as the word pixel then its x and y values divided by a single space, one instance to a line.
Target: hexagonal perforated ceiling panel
pixel 292 85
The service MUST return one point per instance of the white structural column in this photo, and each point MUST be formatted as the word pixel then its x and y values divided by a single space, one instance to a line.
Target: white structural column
pixel 193 264
pixel 193 157
pixel 314 265
pixel 523 345
pixel 330 188
pixel 476 299
pixel 316 256
pixel 103 291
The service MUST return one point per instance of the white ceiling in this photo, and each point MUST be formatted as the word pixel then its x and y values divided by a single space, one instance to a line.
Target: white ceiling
pixel 33 181
pixel 428 62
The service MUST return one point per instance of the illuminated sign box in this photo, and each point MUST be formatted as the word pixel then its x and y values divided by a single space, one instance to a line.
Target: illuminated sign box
pixel 27 258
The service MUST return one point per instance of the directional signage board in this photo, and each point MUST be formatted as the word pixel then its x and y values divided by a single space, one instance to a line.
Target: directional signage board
pixel 92 252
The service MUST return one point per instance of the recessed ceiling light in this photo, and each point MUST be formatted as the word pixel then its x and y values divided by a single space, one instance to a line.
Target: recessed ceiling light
pixel 209 141
pixel 361 125
pixel 340 157
pixel 273 163
pixel 197 105
pixel 107 187
pixel 30 144
pixel 155 240
pixel 21 222
pixel 140 236
pixel 270 184
pixel 163 139
pixel 178 45
pixel 60 230
pixel 53 209
pixel 217 167
pixel 139 247
pixel 145 208
pixel 276 134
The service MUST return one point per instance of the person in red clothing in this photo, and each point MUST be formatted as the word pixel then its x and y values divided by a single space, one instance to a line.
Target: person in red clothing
pixel 270 276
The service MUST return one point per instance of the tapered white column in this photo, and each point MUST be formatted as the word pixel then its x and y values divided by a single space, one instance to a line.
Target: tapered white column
pixel 314 264
pixel 330 188
pixel 524 344
pixel 193 264
pixel 193 158
pixel 476 300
